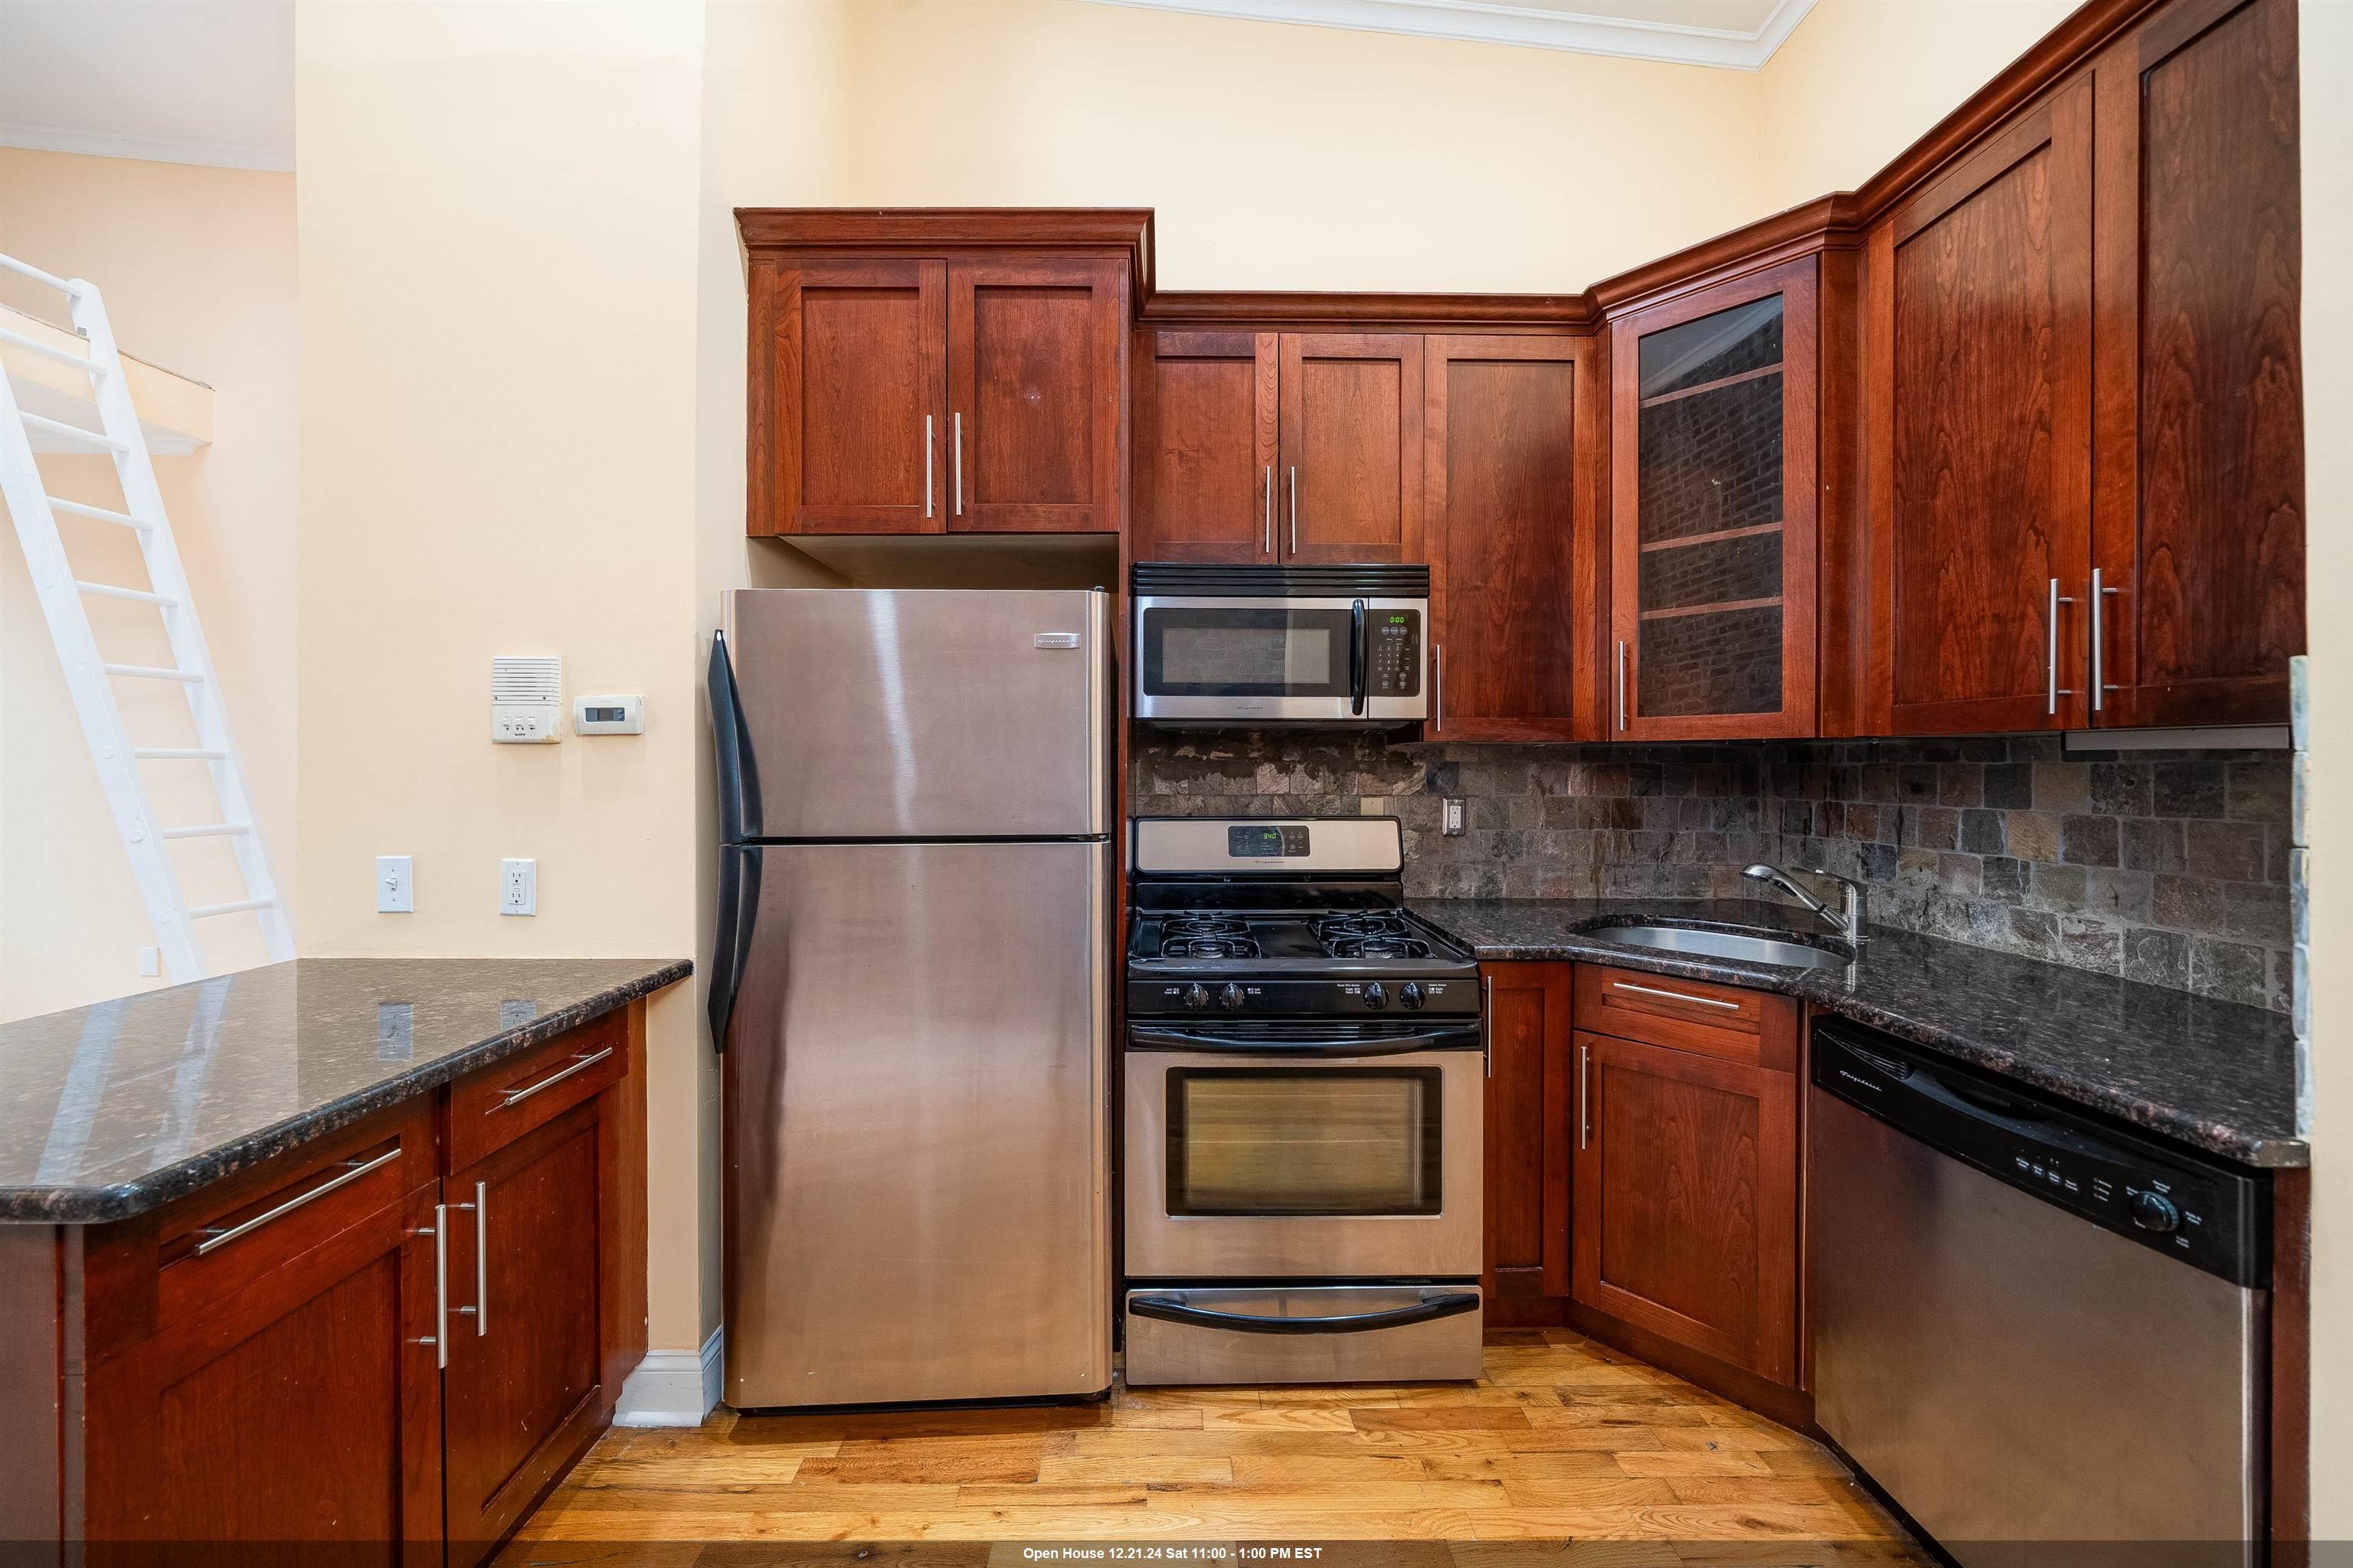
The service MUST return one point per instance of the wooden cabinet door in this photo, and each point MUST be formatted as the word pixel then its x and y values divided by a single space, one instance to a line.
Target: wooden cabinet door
pixel 1713 536
pixel 1686 1199
pixel 2198 520
pixel 1979 427
pixel 1509 439
pixel 1526 1258
pixel 524 1395
pixel 303 1406
pixel 1036 350
pixel 847 398
pixel 1205 447
pixel 1351 460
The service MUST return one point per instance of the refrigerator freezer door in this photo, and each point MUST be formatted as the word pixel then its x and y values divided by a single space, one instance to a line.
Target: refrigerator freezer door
pixel 922 714
pixel 918 1138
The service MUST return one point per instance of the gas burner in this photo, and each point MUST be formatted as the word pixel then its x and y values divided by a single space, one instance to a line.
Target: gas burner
pixel 1334 928
pixel 1210 947
pixel 1203 925
pixel 1377 947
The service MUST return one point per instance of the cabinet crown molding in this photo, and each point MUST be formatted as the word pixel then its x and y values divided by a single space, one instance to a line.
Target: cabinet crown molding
pixel 932 230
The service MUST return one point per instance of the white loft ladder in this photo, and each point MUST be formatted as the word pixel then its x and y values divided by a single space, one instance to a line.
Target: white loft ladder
pixel 88 675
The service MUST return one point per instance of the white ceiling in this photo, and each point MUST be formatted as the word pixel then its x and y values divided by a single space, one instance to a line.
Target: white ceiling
pixel 180 82
pixel 1739 35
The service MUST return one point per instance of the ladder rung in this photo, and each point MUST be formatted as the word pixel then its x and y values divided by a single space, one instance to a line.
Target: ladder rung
pixel 74 433
pixel 206 911
pixel 109 591
pixel 68 286
pixel 185 753
pixel 51 351
pixel 208 831
pixel 152 672
pixel 81 510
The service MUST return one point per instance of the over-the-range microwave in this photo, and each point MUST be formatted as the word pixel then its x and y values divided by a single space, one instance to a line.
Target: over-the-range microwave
pixel 1263 646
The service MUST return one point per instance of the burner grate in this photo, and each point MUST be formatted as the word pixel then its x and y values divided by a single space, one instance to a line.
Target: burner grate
pixel 1377 946
pixel 1209 947
pixel 1203 925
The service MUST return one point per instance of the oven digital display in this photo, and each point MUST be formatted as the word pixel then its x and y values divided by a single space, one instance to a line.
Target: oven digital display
pixel 1252 656
pixel 1268 842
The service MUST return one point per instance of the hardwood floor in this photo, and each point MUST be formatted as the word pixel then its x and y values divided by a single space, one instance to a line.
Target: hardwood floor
pixel 1562 1439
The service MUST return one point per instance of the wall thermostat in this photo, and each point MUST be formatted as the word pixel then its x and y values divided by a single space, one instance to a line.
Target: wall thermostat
pixel 609 714
pixel 526 699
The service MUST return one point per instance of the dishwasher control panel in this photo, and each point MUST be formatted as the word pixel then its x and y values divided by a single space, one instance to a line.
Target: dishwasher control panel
pixel 2211 1215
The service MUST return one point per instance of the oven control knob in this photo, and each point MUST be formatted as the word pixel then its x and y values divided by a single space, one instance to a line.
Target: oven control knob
pixel 1410 996
pixel 1376 994
pixel 2154 1211
pixel 1231 996
pixel 1197 996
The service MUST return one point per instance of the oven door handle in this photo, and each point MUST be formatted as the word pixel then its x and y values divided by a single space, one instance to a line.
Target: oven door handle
pixel 1360 659
pixel 1465 1038
pixel 1431 1307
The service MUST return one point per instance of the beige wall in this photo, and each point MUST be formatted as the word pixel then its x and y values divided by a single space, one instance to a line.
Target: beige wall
pixel 1860 80
pixel 2327 151
pixel 498 230
pixel 196 267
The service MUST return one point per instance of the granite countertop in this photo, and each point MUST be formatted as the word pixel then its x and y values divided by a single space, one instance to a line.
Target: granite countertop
pixel 2217 1075
pixel 115 1108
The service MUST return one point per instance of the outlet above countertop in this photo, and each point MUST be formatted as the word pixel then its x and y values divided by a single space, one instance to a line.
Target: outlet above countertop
pixel 2216 1075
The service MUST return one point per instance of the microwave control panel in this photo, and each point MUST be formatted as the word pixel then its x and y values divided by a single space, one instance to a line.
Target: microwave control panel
pixel 1396 653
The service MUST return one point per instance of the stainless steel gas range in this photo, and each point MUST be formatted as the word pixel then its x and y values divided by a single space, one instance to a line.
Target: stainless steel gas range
pixel 1305 1068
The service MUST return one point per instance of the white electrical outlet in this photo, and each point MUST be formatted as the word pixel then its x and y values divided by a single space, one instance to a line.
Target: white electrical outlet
pixel 518 888
pixel 1452 818
pixel 395 884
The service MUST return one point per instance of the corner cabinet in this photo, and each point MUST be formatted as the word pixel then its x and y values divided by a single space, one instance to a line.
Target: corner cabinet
pixel 1713 533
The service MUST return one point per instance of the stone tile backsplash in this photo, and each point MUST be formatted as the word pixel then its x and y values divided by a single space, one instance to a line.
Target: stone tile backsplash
pixel 2169 867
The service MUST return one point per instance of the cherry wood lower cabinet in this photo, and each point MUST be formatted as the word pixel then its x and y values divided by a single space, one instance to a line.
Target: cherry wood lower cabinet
pixel 315 1351
pixel 1524 1269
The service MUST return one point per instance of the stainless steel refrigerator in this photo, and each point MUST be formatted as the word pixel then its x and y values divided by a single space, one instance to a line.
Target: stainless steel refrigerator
pixel 912 989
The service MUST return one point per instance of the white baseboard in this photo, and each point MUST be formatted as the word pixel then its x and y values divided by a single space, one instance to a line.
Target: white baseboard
pixel 673 1388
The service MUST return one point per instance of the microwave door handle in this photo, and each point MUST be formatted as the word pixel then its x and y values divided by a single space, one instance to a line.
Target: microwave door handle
pixel 1432 1305
pixel 1360 659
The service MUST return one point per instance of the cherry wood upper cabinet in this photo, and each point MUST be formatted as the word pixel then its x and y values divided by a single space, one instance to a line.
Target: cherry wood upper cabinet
pixel 1511 426
pixel 1524 1271
pixel 1036 351
pixel 1980 389
pixel 1351 446
pixel 1205 447
pixel 1712 538
pixel 2198 514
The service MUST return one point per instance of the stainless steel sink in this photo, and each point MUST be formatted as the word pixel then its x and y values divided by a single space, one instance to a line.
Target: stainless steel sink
pixel 1724 945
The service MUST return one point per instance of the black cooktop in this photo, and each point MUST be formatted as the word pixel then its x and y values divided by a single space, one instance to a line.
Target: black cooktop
pixel 1215 951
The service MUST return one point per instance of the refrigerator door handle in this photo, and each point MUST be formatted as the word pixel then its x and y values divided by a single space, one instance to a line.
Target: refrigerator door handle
pixel 739 786
pixel 730 947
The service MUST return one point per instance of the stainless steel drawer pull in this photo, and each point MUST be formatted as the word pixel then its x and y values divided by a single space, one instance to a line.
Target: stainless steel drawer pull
pixel 1440 652
pixel 927 465
pixel 2053 691
pixel 481 1207
pixel 1584 1096
pixel 352 1171
pixel 2101 684
pixel 1294 509
pixel 955 457
pixel 1621 682
pixel 1270 509
pixel 1487 1024
pixel 579 1064
pixel 439 1337
pixel 1676 995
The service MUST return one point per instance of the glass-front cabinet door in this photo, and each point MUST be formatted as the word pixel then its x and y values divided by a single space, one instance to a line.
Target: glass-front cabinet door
pixel 1712 532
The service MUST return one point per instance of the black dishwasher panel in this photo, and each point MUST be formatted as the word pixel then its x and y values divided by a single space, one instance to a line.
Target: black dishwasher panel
pixel 2213 1216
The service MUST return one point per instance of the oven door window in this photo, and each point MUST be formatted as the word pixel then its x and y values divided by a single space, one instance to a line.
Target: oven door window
pixel 1267 651
pixel 1279 1142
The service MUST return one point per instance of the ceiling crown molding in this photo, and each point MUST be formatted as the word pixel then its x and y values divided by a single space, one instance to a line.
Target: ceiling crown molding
pixel 1532 26
pixel 99 144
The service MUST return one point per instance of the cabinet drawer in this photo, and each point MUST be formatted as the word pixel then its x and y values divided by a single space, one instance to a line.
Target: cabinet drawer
pixel 1723 1020
pixel 491 1108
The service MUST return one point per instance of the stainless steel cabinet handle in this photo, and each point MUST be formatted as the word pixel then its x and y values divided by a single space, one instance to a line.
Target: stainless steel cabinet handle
pixel 2054 690
pixel 1676 995
pixel 352 1171
pixel 955 458
pixel 1440 652
pixel 1621 682
pixel 927 465
pixel 1270 509
pixel 481 1207
pixel 1584 1095
pixel 2100 686
pixel 579 1064
pixel 440 1339
pixel 1487 1022
pixel 1294 509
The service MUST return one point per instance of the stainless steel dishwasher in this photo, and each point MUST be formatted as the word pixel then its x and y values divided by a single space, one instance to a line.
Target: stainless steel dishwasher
pixel 2031 1324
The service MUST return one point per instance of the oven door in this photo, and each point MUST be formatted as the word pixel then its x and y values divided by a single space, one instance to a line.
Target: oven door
pixel 1357 1157
pixel 1299 661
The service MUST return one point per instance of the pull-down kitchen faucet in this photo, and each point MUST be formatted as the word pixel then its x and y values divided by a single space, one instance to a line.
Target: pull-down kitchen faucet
pixel 1847 925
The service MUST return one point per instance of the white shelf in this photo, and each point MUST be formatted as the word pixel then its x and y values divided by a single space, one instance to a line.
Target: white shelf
pixel 175 412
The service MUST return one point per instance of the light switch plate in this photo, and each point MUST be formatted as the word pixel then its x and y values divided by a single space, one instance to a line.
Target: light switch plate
pixel 518 888
pixel 395 884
